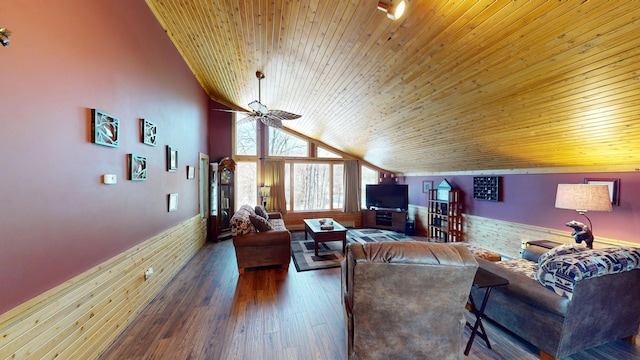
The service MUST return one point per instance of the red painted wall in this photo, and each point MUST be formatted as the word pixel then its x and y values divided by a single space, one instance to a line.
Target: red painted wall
pixel 530 199
pixel 56 217
pixel 220 130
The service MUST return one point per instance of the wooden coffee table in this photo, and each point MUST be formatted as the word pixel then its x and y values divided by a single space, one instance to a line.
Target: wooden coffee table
pixel 338 233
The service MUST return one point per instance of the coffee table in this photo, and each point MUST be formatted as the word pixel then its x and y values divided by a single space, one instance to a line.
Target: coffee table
pixel 338 233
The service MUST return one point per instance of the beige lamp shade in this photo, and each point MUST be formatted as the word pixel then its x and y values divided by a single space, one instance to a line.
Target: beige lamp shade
pixel 583 197
pixel 265 191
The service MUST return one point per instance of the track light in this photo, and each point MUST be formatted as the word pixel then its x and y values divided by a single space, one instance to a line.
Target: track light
pixel 4 36
pixel 394 9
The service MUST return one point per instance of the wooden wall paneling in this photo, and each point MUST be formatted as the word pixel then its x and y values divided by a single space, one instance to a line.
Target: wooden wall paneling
pixel 507 238
pixel 79 318
pixel 293 221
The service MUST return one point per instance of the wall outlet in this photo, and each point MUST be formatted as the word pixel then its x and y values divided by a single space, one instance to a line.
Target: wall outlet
pixel 148 273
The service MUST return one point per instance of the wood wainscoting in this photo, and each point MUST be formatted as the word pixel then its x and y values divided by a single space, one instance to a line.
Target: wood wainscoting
pixel 504 237
pixel 293 220
pixel 80 318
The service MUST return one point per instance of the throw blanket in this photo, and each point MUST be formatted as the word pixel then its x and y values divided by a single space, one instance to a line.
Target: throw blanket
pixel 561 272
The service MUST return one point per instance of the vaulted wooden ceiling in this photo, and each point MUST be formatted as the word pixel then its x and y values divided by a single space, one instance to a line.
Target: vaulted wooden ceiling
pixel 454 85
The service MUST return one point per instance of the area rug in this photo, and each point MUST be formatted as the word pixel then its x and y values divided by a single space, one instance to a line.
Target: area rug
pixel 330 253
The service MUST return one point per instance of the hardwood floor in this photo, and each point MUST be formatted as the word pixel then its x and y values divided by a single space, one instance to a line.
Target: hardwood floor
pixel 210 312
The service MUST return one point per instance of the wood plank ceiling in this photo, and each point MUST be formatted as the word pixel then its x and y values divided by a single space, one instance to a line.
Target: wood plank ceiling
pixel 454 85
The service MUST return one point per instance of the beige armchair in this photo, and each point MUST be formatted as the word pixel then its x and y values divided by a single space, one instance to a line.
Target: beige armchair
pixel 406 300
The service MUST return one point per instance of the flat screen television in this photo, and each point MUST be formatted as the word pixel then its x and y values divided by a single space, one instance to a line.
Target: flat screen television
pixel 387 196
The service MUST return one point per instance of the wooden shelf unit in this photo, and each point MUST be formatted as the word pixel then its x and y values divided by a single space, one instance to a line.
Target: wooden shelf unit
pixel 444 217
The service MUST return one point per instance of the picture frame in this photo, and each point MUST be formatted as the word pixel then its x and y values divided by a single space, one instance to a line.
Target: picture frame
pixel 427 185
pixel 614 188
pixel 148 132
pixel 137 167
pixel 172 203
pixel 191 172
pixel 172 159
pixel 105 129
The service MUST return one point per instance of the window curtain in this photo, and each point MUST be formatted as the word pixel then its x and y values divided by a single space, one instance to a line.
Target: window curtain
pixel 274 178
pixel 351 186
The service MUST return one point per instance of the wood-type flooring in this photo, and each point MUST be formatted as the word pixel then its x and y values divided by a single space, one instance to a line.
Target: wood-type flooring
pixel 210 312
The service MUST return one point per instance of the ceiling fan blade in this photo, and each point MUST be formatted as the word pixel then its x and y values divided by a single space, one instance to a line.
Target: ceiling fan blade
pixel 271 121
pixel 283 115
pixel 231 111
pixel 246 120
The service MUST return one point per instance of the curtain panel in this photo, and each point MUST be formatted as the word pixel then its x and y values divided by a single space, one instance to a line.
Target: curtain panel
pixel 351 186
pixel 274 178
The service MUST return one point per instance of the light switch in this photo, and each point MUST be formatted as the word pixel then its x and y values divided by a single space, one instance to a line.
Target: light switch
pixel 110 179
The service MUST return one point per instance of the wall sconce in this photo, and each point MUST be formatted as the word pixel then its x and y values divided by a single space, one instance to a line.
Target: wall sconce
pixel 393 8
pixel 583 198
pixel 4 36
pixel 265 192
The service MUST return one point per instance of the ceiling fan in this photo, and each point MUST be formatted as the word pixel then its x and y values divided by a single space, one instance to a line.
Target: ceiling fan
pixel 268 117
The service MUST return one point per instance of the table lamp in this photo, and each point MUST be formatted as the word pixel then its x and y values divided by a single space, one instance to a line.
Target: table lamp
pixel 583 198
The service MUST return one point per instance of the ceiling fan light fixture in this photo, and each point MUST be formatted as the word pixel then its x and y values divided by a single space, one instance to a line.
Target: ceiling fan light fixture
pixel 394 10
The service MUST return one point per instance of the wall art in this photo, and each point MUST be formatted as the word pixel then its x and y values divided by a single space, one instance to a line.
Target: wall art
pixel 173 202
pixel 486 188
pixel 105 129
pixel 172 159
pixel 137 167
pixel 614 188
pixel 148 132
pixel 426 186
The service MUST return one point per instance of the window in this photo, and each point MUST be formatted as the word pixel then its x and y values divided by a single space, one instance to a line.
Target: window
pixel 369 176
pixel 246 136
pixel 338 186
pixel 246 182
pixel 312 185
pixel 283 144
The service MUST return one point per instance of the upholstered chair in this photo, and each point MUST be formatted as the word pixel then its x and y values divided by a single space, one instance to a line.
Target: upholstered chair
pixel 406 300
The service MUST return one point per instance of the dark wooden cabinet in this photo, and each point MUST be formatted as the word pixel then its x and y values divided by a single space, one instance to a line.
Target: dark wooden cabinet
pixel 385 219
pixel 226 179
pixel 444 216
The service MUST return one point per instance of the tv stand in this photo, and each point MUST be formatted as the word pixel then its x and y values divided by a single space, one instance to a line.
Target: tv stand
pixel 388 219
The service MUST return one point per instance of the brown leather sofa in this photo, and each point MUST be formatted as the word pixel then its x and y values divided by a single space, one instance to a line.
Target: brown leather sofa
pixel 260 245
pixel 406 300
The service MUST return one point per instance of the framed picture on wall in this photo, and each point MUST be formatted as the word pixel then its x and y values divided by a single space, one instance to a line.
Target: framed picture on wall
pixel 173 202
pixel 426 186
pixel 612 184
pixel 172 159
